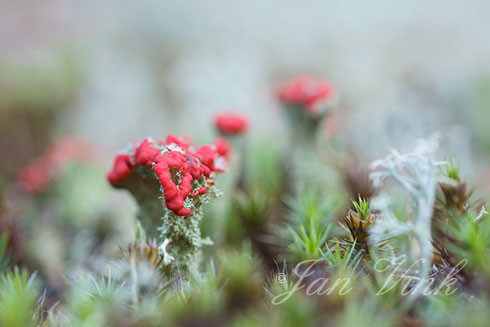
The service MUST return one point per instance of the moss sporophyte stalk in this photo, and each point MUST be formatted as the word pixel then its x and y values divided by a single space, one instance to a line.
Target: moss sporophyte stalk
pixel 171 180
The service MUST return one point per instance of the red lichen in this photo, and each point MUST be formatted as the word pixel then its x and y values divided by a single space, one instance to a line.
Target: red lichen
pixel 145 154
pixel 121 170
pixel 166 159
pixel 307 91
pixel 223 147
pixel 180 142
pixel 230 123
pixel 36 176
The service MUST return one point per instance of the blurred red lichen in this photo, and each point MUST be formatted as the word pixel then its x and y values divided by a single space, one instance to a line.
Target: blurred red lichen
pixel 175 155
pixel 230 123
pixel 307 91
pixel 36 176
pixel 223 147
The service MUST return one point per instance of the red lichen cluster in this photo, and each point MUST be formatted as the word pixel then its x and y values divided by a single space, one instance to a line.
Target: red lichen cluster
pixel 306 91
pixel 222 146
pixel 36 176
pixel 230 123
pixel 192 164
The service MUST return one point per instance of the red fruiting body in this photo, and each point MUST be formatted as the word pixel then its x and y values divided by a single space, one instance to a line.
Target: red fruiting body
pixel 306 91
pixel 145 154
pixel 222 146
pixel 180 142
pixel 121 170
pixel 36 176
pixel 177 154
pixel 231 123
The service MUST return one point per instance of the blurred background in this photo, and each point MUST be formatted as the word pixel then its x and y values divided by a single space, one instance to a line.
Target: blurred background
pixel 113 71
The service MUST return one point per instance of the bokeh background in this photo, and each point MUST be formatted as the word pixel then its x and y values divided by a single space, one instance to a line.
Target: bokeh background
pixel 119 70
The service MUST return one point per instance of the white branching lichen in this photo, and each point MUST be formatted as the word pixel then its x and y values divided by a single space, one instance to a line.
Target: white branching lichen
pixel 417 173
